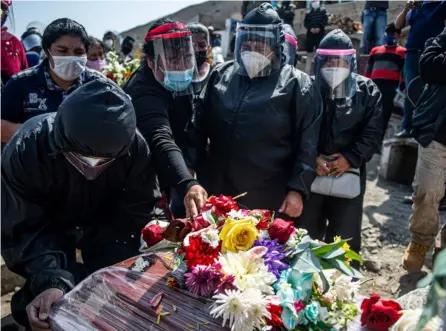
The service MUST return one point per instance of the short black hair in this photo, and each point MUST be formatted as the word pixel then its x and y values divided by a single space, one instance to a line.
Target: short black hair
pixel 93 40
pixel 199 28
pixel 391 28
pixel 148 45
pixel 63 27
pixel 128 40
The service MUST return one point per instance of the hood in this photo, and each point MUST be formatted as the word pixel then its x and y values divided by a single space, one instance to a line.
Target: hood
pixel 97 119
pixel 336 39
pixel 263 14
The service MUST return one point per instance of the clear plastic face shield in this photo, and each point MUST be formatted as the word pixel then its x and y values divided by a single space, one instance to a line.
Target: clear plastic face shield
pixel 258 49
pixel 335 72
pixel 201 50
pixel 173 65
pixel 90 167
pixel 290 50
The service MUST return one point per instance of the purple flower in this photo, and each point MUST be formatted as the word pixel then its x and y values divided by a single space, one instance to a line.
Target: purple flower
pixel 203 280
pixel 274 256
pixel 227 283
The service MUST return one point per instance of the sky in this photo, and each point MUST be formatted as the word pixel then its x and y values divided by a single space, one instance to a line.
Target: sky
pixel 96 16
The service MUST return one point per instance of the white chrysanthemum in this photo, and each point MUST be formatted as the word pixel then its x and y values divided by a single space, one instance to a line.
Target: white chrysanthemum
pixel 293 241
pixel 237 215
pixel 245 311
pixel 211 237
pixel 248 273
pixel 343 288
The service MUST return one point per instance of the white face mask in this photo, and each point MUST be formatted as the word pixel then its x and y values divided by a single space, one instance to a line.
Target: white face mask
pixel 315 4
pixel 69 67
pixel 334 76
pixel 108 43
pixel 254 62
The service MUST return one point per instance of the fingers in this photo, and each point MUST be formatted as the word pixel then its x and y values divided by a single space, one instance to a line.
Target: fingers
pixel 191 208
pixel 33 317
pixel 283 207
pixel 45 307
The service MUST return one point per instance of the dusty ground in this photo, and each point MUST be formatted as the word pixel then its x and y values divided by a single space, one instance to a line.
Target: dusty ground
pixel 385 236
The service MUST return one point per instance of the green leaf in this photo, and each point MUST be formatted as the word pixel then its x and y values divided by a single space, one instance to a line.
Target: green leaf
pixel 328 248
pixel 177 262
pixel 425 281
pixel 342 267
pixel 352 255
pixel 306 262
pixel 325 284
pixel 324 326
pixel 334 254
pixel 440 264
pixel 325 265
pixel 303 245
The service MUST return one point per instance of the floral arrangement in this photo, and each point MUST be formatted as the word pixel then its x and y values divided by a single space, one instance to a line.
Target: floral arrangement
pixel 117 71
pixel 378 314
pixel 261 272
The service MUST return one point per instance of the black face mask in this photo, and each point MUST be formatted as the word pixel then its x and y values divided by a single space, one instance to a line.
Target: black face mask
pixel 201 57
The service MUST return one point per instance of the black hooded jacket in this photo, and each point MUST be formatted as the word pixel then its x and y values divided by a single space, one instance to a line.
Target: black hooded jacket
pixel 263 135
pixel 46 202
pixel 162 120
pixel 351 126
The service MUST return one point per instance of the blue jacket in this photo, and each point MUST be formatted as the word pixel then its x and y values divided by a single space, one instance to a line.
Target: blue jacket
pixel 31 92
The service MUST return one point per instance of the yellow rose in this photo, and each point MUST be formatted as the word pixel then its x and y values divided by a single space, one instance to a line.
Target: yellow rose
pixel 238 235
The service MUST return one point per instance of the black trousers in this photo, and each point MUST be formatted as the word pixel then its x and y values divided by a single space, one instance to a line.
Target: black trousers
pixel 313 40
pixel 325 217
pixel 98 252
pixel 388 91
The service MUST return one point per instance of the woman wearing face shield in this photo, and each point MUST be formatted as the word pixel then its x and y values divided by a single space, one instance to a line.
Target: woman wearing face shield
pixel 261 117
pixel 42 89
pixel 350 135
pixel 162 92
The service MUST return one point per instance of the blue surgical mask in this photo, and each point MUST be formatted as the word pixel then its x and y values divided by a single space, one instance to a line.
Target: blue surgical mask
pixel 390 40
pixel 178 80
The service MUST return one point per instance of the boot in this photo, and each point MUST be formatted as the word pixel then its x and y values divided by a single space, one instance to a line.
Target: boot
pixel 413 259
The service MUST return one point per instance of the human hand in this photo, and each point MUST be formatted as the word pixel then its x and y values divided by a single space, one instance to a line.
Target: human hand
pixel 194 200
pixel 317 30
pixel 40 307
pixel 321 167
pixel 292 205
pixel 312 30
pixel 338 166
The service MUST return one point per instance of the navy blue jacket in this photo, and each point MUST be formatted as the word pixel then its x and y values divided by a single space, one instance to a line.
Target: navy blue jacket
pixel 30 93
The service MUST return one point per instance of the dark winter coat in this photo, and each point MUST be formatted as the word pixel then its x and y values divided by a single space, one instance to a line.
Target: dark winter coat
pixel 47 202
pixel 263 135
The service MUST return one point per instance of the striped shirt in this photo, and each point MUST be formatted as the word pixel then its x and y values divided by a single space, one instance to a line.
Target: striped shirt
pixel 316 18
pixel 386 63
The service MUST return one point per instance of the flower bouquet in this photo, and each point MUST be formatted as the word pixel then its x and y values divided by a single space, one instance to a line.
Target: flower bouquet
pixel 261 272
pixel 119 72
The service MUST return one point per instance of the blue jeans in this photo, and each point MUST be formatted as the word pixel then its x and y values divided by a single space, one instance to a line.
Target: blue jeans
pixel 177 205
pixel 411 71
pixel 373 25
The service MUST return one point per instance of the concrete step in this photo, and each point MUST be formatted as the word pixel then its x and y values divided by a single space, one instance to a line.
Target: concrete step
pixel 10 280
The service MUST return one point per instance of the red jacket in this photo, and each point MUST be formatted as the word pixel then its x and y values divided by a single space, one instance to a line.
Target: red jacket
pixel 13 55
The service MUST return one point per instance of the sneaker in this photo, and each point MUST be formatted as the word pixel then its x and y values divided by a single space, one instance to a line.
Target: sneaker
pixel 413 259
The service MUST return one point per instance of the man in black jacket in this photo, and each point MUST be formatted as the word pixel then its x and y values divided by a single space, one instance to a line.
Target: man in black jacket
pixel 162 94
pixel 429 129
pixel 316 19
pixel 79 178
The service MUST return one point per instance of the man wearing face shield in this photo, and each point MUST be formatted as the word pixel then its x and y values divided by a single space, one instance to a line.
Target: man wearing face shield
pixel 81 177
pixel 162 90
pixel 261 117
pixel 350 135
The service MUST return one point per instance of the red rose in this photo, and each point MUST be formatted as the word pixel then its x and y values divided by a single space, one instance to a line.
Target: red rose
pixel 379 315
pixel 177 230
pixel 281 230
pixel 199 223
pixel 221 205
pixel 264 217
pixel 152 234
pixel 276 313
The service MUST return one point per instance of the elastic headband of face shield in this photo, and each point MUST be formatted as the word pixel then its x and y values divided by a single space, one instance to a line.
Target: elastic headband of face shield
pixel 339 82
pixel 263 44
